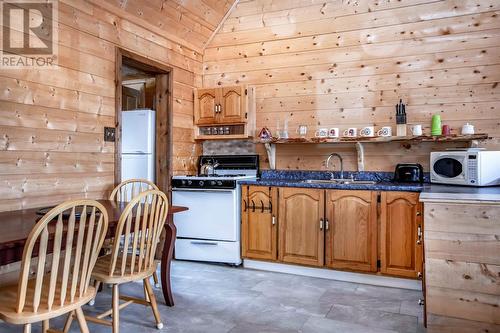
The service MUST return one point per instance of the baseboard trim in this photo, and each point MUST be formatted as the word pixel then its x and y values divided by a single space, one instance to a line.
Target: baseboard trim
pixel 376 280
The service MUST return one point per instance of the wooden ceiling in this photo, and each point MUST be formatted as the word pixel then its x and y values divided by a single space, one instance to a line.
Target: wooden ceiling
pixel 188 22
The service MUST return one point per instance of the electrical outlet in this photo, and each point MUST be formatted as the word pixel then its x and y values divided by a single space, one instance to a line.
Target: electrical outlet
pixel 109 134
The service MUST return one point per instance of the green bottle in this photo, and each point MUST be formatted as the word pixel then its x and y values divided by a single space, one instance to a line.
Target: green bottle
pixel 436 125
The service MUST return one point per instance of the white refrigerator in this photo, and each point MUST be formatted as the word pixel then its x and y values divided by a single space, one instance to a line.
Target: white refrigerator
pixel 138 144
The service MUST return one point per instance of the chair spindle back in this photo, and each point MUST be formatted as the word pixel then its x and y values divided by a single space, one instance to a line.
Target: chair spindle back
pixel 140 225
pixel 76 242
pixel 128 189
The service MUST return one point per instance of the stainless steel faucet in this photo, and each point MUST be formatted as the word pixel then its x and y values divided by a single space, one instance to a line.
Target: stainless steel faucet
pixel 341 164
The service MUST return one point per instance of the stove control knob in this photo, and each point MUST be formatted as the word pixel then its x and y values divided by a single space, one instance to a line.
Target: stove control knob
pixel 219 182
pixel 183 182
pixel 189 182
pixel 201 183
pixel 212 182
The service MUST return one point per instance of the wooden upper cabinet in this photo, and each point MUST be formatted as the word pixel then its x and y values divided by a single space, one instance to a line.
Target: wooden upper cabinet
pixel 401 234
pixel 259 224
pixel 233 106
pixel 301 234
pixel 351 235
pixel 205 101
pixel 226 105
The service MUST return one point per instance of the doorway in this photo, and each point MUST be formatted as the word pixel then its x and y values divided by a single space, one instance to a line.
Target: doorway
pixel 144 84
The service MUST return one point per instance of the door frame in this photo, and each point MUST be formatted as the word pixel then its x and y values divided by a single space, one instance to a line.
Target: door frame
pixel 164 115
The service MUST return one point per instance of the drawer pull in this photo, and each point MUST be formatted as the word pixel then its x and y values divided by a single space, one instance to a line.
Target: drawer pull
pixel 419 235
pixel 203 243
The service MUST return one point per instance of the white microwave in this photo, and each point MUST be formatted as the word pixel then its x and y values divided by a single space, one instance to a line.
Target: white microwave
pixel 472 167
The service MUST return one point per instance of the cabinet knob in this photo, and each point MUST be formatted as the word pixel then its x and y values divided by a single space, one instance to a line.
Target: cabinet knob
pixel 421 302
pixel 419 213
pixel 327 224
pixel 321 224
pixel 273 220
pixel 419 275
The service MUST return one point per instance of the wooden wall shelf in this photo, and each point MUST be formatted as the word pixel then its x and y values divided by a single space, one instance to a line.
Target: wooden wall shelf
pixel 222 137
pixel 450 138
pixel 359 141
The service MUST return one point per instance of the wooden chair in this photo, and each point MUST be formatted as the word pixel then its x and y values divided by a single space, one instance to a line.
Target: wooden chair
pixel 127 190
pixel 72 233
pixel 140 226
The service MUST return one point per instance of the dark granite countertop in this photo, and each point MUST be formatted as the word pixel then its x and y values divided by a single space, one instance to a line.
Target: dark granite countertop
pixel 291 178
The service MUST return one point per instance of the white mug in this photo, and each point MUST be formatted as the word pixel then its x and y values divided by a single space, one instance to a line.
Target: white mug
pixel 333 132
pixel 417 130
pixel 351 132
pixel 385 131
pixel 321 132
pixel 468 129
pixel 367 131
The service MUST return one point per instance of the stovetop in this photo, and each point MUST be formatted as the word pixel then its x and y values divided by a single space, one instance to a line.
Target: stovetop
pixel 209 182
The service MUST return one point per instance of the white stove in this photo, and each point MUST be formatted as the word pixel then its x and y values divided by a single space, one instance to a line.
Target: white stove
pixel 210 229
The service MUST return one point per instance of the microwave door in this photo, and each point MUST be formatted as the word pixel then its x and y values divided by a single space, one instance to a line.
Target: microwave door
pixel 450 167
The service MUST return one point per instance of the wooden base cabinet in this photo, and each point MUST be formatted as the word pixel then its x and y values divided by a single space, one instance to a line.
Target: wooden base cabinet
pixel 259 222
pixel 301 226
pixel 401 234
pixel 351 230
pixel 338 229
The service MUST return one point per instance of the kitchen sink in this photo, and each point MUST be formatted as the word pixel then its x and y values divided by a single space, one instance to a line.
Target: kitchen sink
pixel 340 181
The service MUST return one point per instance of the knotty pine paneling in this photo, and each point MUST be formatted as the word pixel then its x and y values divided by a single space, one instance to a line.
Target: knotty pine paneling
pixel 347 63
pixel 52 121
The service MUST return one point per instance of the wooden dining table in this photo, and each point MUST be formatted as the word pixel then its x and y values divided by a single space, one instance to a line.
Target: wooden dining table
pixel 15 227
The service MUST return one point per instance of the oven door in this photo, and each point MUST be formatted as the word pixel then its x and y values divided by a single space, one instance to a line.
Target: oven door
pixel 213 214
pixel 449 168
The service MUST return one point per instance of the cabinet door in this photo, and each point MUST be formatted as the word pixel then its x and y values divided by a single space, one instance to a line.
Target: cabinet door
pixel 205 101
pixel 351 235
pixel 401 225
pixel 259 223
pixel 301 234
pixel 233 105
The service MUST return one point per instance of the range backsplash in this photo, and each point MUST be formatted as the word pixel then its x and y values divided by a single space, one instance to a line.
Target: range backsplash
pixel 228 147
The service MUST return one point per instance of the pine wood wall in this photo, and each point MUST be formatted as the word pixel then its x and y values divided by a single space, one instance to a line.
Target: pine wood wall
pixel 347 63
pixel 51 121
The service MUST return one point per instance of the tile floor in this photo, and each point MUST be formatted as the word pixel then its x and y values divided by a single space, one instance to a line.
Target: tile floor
pixel 218 298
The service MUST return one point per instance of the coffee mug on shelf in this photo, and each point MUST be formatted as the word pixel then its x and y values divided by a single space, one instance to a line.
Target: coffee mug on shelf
pixel 385 131
pixel 367 131
pixel 351 132
pixel 321 132
pixel 333 132
pixel 417 130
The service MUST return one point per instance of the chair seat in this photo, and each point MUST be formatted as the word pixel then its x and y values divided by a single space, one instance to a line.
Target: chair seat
pixel 8 303
pixel 103 264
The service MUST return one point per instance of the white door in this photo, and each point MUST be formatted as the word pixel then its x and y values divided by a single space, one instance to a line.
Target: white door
pixel 212 214
pixel 138 166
